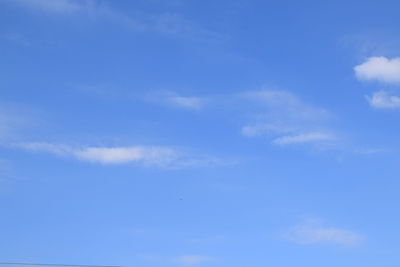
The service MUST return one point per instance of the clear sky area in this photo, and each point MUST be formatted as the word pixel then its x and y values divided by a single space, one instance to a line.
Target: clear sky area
pixel 224 133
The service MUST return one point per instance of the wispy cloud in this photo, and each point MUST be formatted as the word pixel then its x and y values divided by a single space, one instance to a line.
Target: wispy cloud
pixel 304 138
pixel 53 6
pixel 192 259
pixel 107 155
pixel 174 24
pixel 186 102
pixel 12 119
pixel 207 240
pixel 383 100
pixel 163 23
pixel 280 101
pixel 16 38
pixel 287 120
pixel 314 232
pixel 165 157
pixel 179 101
pixel 91 8
pixel 180 260
pixel 380 69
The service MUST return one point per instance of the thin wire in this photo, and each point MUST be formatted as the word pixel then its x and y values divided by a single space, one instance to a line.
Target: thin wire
pixel 52 264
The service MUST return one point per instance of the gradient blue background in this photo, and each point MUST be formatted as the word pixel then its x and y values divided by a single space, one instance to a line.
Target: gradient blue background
pixel 85 78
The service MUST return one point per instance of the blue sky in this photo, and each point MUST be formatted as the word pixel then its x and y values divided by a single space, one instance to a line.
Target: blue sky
pixel 200 133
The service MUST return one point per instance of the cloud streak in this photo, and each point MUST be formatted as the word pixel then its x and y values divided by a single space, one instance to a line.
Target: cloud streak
pixel 53 6
pixel 287 120
pixel 91 8
pixel 179 101
pixel 313 232
pixel 192 259
pixel 165 157
pixel 163 23
pixel 195 103
pixel 313 137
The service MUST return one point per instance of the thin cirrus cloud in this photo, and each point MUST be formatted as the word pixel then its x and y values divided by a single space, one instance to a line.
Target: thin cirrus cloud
pixel 164 157
pixel 173 99
pixel 313 232
pixel 380 69
pixel 304 138
pixel 164 23
pixel 287 120
pixel 13 118
pixel 186 102
pixel 53 6
pixel 383 100
pixel 91 8
pixel 192 259
pixel 7 124
pixel 282 115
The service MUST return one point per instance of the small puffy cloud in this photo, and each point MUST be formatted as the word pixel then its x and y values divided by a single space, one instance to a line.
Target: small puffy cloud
pixel 165 157
pixel 380 69
pixel 316 137
pixel 313 232
pixel 383 100
pixel 192 260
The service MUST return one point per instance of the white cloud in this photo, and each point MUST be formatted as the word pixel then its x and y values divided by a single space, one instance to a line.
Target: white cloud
pixel 107 155
pixel 119 155
pixel 380 69
pixel 286 119
pixel 313 232
pixel 383 100
pixel 165 157
pixel 316 137
pixel 191 259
